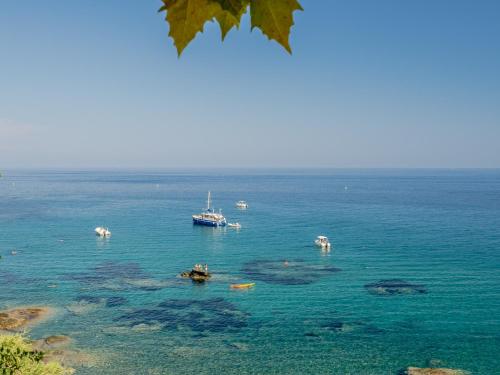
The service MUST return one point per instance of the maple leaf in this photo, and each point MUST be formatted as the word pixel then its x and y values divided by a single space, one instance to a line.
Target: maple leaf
pixel 230 15
pixel 274 18
pixel 236 7
pixel 187 18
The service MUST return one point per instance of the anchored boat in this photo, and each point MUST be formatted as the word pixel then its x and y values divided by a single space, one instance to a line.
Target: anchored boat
pixel 322 242
pixel 102 232
pixel 209 217
pixel 242 204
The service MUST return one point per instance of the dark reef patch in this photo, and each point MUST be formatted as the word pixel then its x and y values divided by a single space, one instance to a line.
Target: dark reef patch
pixel 199 316
pixel 391 287
pixel 115 301
pixel 119 276
pixel 108 301
pixel 293 272
pixel 340 325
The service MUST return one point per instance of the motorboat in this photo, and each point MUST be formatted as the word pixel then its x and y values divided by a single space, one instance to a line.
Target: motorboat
pixel 234 225
pixel 102 232
pixel 242 204
pixel 322 242
pixel 209 217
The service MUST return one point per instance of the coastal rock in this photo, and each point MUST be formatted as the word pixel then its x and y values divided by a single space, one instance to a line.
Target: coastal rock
pixel 18 318
pixel 393 287
pixel 287 272
pixel 432 371
pixel 197 276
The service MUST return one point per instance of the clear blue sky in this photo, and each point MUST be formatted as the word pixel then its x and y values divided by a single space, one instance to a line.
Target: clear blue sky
pixel 93 83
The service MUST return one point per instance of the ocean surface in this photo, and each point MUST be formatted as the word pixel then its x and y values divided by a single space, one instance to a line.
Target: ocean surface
pixel 127 310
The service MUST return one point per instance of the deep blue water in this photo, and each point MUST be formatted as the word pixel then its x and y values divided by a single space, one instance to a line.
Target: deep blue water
pixel 121 300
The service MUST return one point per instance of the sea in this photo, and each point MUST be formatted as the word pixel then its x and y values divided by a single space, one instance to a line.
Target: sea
pixel 412 277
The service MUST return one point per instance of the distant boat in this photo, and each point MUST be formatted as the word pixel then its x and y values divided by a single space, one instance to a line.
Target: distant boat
pixel 242 204
pixel 242 286
pixel 234 225
pixel 322 242
pixel 102 232
pixel 209 217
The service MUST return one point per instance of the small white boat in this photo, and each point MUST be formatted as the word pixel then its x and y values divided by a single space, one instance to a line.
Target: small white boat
pixel 102 232
pixel 242 204
pixel 234 225
pixel 322 242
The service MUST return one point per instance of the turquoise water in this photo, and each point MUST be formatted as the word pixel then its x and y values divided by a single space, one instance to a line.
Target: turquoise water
pixel 121 301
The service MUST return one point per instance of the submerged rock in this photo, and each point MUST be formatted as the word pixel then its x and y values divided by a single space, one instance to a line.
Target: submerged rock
pixel 340 326
pixel 312 334
pixel 432 371
pixel 75 358
pixel 288 272
pixel 393 287
pixel 15 319
pixel 118 276
pixel 211 315
pixel 51 342
pixel 115 301
pixel 85 304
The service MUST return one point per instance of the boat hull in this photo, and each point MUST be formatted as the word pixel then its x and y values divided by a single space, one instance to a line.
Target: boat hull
pixel 322 244
pixel 208 223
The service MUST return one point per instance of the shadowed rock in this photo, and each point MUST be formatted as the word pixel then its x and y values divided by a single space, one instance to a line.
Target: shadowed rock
pixel 211 315
pixel 295 272
pixel 394 287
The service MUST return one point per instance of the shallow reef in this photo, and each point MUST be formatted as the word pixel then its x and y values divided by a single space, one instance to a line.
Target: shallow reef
pixel 210 315
pixel 119 276
pixel 286 272
pixel 393 287
pixel 86 303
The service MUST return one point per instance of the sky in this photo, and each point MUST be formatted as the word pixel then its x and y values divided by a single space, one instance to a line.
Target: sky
pixel 382 84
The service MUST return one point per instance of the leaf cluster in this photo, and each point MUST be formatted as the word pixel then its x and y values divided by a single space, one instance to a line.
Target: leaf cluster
pixel 17 357
pixel 188 17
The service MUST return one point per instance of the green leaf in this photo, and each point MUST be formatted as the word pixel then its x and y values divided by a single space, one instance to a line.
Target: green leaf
pixel 274 18
pixel 187 18
pixel 235 7
pixel 226 22
pixel 227 19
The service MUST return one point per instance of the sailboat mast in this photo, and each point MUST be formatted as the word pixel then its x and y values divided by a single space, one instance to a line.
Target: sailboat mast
pixel 208 201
